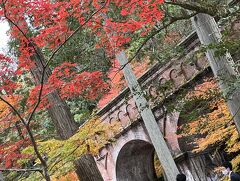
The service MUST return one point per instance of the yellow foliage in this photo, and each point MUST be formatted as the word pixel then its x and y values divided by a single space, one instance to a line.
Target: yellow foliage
pixel 217 124
pixel 204 90
pixel 213 124
pixel 6 116
pixel 158 166
pixel 68 177
pixel 89 139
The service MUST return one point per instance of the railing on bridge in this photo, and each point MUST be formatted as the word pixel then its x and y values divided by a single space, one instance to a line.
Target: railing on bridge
pixel 171 76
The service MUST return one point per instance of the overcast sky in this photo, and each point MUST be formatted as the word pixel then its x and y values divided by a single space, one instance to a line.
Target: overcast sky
pixel 3 36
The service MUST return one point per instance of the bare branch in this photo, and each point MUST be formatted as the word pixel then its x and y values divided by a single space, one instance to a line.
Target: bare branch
pixel 192 7
pixel 39 96
pixel 21 169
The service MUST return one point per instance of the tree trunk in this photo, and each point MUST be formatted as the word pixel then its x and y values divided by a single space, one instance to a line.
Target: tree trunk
pixel 59 110
pixel 65 124
pixel 149 120
pixel 87 169
pixel 222 66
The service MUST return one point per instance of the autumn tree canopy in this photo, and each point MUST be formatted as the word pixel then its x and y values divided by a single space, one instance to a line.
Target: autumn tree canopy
pixel 39 29
pixel 74 43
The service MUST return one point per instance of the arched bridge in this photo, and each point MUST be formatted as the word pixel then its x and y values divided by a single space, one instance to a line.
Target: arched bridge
pixel 131 156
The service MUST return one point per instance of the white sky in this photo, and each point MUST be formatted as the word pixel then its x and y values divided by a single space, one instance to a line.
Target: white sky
pixel 4 27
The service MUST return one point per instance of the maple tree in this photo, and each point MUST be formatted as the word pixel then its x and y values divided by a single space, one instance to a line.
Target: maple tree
pixel 215 128
pixel 26 49
pixel 91 137
pixel 11 149
pixel 46 27
pixel 49 32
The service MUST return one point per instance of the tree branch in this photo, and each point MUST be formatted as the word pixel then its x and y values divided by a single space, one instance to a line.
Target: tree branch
pixel 21 169
pixel 51 57
pixel 27 123
pixel 78 28
pixel 171 21
pixel 192 7
pixel 39 96
pixel 22 32
pixel 14 109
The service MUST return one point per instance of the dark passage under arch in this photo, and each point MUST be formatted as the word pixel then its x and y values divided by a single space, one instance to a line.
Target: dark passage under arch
pixel 135 162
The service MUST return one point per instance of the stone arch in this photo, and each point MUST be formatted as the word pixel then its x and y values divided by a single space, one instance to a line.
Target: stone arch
pixel 201 62
pixel 162 87
pixel 121 116
pixel 162 80
pixel 112 119
pixel 131 111
pixel 176 77
pixel 188 70
pixel 106 119
pixel 152 90
pixel 135 162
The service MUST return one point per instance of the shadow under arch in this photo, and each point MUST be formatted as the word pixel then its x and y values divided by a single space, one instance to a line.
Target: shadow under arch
pixel 135 162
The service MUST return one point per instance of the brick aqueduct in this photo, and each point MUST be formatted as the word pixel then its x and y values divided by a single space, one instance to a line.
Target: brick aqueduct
pixel 131 156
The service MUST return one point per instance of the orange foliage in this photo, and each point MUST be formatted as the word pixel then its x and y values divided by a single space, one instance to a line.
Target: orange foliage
pixel 116 84
pixel 204 90
pixel 172 36
pixel 117 80
pixel 69 177
pixel 216 125
pixel 6 116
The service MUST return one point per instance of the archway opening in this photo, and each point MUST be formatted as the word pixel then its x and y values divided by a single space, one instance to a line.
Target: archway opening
pixel 135 162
